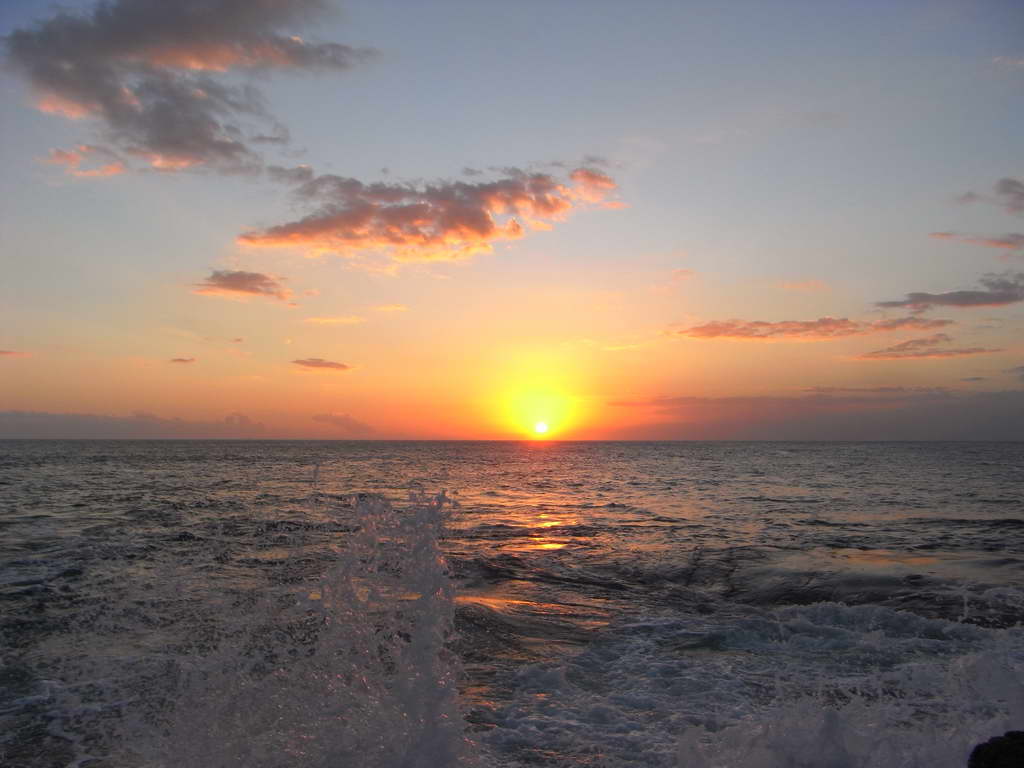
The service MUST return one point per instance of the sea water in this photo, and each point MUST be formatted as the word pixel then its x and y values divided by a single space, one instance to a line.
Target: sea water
pixel 352 605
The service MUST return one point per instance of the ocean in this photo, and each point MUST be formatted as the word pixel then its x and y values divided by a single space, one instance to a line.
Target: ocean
pixel 305 604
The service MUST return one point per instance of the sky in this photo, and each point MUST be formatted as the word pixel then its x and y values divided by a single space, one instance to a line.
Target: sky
pixel 546 220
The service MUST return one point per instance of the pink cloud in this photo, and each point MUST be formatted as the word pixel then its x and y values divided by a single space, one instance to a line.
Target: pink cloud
pixel 1013 241
pixel 72 161
pixel 12 353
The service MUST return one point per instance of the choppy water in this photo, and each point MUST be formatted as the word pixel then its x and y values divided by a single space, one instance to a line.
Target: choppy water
pixel 207 604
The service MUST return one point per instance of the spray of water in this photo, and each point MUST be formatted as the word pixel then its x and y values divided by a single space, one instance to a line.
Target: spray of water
pixel 353 672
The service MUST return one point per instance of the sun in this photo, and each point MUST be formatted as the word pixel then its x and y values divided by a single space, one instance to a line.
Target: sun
pixel 540 427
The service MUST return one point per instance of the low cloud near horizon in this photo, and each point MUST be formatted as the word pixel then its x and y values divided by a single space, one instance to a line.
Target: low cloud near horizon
pixel 904 415
pixel 140 425
pixel 344 424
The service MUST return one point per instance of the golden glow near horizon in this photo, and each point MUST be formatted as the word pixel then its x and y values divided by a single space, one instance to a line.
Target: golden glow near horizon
pixel 539 409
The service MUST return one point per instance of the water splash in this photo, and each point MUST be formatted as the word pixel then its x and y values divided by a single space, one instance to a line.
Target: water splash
pixel 353 672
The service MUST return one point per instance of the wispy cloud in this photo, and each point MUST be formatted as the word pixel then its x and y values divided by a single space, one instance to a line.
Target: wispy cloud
pixel 182 360
pixel 319 363
pixel 999 290
pixel 1007 192
pixel 340 320
pixel 152 72
pixel 12 353
pixel 1013 241
pixel 886 390
pixel 822 329
pixel 345 424
pixel 240 284
pixel 391 308
pixel 72 161
pixel 444 221
pixel 1009 62
pixel 1018 371
pixel 929 347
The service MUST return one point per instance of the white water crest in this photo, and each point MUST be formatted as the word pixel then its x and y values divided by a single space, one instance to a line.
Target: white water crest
pixel 354 673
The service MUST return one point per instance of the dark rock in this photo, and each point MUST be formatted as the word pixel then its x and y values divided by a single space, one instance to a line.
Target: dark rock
pixel 1006 751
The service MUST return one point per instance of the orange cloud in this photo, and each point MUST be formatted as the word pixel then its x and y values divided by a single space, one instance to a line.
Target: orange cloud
pixel 184 360
pixel 437 222
pixel 391 308
pixel 808 330
pixel 240 284
pixel 12 353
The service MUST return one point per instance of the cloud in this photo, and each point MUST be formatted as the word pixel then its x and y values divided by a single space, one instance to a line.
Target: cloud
pixel 896 416
pixel 343 320
pixel 72 161
pixel 12 353
pixel 891 390
pixel 444 221
pixel 808 330
pixel 236 284
pixel 151 72
pixel 1013 241
pixel 391 308
pixel 1007 192
pixel 344 423
pixel 1018 371
pixel 182 360
pixel 999 290
pixel 975 378
pixel 300 174
pixel 139 425
pixel 1009 62
pixel 918 349
pixel 237 340
pixel 320 363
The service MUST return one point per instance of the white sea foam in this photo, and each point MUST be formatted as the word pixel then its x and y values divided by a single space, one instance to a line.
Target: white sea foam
pixel 822 686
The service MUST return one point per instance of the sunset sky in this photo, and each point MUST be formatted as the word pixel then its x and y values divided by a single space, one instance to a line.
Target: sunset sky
pixel 381 219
